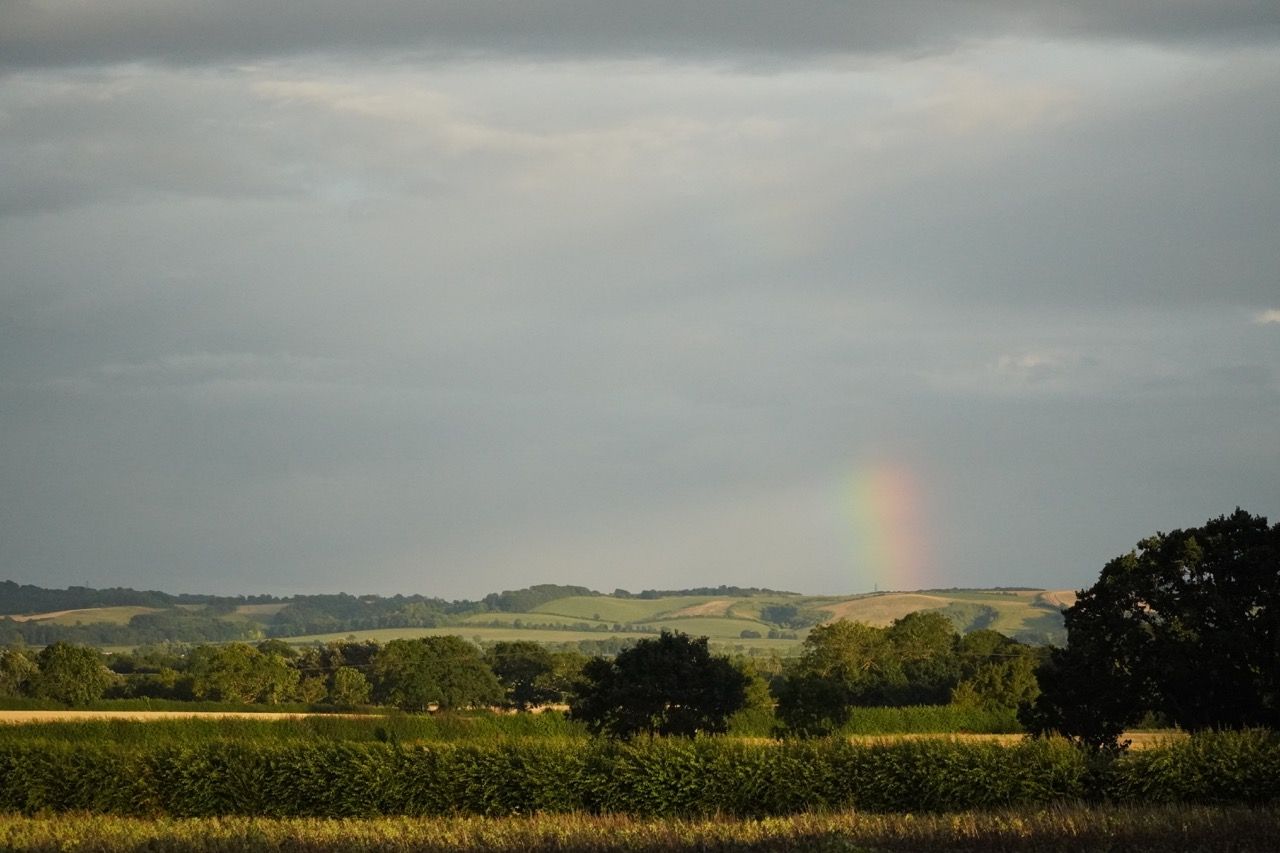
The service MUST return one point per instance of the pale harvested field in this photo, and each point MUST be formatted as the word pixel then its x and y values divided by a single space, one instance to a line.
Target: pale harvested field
pixel 718 607
pixel 87 616
pixel 1059 597
pixel 880 610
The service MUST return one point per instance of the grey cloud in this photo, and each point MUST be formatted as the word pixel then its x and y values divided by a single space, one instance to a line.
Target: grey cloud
pixel 1169 200
pixel 76 33
pixel 461 328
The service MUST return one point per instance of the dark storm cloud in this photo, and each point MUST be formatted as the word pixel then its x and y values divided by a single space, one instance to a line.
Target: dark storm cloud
pixel 65 32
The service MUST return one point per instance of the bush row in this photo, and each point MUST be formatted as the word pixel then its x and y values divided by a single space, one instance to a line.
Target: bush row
pixel 653 778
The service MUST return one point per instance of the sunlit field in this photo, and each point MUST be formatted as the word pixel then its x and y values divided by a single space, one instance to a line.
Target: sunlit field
pixel 1058 829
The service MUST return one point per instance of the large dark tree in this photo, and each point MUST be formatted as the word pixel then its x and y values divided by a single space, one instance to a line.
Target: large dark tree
pixel 1187 626
pixel 668 685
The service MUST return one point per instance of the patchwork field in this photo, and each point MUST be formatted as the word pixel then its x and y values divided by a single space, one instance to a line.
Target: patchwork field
pixel 606 608
pixel 1033 615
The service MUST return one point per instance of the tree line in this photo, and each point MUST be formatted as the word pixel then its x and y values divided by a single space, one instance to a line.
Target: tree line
pixel 1185 628
pixel 442 673
pixel 668 684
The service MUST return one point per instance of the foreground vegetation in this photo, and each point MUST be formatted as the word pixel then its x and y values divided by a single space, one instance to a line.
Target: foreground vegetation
pixel 661 777
pixel 1059 829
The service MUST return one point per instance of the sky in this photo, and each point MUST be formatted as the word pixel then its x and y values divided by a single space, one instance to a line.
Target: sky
pixel 454 297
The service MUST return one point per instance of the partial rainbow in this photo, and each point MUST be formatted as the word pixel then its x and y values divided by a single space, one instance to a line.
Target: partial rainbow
pixel 890 547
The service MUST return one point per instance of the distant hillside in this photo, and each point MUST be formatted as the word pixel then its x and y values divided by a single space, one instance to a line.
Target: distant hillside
pixel 745 618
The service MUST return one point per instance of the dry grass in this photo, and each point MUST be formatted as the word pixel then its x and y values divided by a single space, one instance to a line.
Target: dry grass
pixel 1059 829
pixel 880 610
pixel 716 607
pixel 1058 597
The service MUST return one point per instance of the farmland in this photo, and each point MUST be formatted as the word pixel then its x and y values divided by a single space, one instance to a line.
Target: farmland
pixel 744 621
pixel 487 781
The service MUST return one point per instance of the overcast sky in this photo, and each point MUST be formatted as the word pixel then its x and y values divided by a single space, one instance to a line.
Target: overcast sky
pixel 454 297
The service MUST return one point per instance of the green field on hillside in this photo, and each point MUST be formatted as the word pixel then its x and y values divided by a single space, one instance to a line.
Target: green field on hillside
pixel 606 608
pixel 713 627
pixel 470 632
pixel 1032 615
pixel 528 619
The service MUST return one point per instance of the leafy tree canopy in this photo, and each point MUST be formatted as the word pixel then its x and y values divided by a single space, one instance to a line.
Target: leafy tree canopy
pixel 237 672
pixel 1188 625
pixel 75 675
pixel 445 672
pixel 525 669
pixel 16 672
pixel 667 685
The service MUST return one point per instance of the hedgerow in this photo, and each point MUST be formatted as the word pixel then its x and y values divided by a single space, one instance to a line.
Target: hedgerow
pixel 659 777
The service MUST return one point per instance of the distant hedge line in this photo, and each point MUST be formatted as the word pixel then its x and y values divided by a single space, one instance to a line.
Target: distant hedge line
pixel 648 778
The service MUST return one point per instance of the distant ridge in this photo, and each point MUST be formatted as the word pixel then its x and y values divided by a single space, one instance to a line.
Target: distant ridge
pixel 753 616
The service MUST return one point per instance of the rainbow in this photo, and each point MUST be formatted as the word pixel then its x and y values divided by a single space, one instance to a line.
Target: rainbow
pixel 890 548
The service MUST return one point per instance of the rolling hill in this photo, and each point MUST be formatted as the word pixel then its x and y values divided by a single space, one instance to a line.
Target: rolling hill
pixel 746 620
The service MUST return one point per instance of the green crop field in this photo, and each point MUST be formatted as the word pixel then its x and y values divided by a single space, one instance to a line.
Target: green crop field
pixel 623 610
pixel 750 607
pixel 529 619
pixel 469 632
pixel 713 627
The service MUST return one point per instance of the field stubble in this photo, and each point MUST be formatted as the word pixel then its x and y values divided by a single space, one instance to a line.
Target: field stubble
pixel 1054 829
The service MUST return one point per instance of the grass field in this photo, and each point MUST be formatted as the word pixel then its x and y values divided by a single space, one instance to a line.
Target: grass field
pixel 529 619
pixel 1057 829
pixel 468 632
pixel 711 626
pixel 622 610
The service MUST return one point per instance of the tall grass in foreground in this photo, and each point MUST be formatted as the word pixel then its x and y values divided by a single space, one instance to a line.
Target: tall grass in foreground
pixel 1065 829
